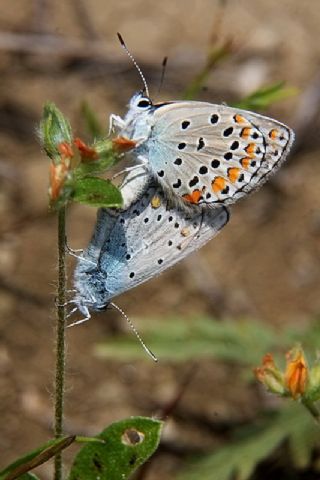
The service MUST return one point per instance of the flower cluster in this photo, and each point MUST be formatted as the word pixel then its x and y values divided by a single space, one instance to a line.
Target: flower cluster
pixel 297 381
pixel 74 164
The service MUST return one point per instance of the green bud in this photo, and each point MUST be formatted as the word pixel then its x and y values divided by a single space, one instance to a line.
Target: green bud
pixel 54 130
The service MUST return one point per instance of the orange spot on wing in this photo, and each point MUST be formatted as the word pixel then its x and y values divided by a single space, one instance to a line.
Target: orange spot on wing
pixel 193 197
pixel 218 184
pixel 273 134
pixel 123 144
pixel 245 162
pixel 239 118
pixel 155 201
pixel 250 149
pixel 245 133
pixel 185 232
pixel 233 174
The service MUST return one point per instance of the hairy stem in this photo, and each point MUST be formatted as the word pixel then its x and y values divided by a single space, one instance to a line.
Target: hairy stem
pixel 60 340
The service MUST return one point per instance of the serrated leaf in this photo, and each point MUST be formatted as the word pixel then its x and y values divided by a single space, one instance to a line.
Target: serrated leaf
pixel 32 459
pixel 128 444
pixel 239 458
pixel 262 98
pixel 96 192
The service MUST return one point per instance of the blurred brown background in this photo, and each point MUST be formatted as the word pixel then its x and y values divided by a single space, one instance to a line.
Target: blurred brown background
pixel 264 264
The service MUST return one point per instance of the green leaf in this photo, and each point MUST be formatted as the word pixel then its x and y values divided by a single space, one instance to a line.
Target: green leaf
pixel 262 98
pixel 92 123
pixel 239 458
pixel 128 444
pixel 54 130
pixel 96 192
pixel 32 459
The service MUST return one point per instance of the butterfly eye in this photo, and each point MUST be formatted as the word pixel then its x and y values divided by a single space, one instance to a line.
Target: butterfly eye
pixel 144 103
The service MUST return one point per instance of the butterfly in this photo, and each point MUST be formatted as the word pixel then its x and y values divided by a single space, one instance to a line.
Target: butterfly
pixel 199 152
pixel 131 246
pixel 203 153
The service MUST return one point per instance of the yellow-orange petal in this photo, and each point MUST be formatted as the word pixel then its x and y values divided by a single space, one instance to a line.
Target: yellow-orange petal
pixel 123 144
pixel 57 177
pixel 85 151
pixel 296 374
pixel 65 150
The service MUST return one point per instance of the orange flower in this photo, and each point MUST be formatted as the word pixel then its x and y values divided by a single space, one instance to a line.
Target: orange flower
pixel 269 375
pixel 123 144
pixel 56 180
pixel 296 374
pixel 65 150
pixel 87 153
pixel 58 172
pixel 57 177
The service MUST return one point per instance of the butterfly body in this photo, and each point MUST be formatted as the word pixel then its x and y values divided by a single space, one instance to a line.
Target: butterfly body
pixel 204 153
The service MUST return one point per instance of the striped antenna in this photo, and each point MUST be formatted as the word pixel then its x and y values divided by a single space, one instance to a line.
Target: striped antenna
pixel 124 46
pixel 163 70
pixel 135 331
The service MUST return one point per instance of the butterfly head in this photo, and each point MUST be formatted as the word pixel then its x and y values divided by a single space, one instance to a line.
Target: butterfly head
pixel 140 106
pixel 140 103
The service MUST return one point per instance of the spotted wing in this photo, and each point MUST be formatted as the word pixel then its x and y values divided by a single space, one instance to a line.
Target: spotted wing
pixel 144 240
pixel 214 154
pixel 149 237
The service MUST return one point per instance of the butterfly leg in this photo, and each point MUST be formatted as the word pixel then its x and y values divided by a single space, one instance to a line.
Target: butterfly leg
pixel 143 160
pixel 73 253
pixel 125 170
pixel 115 122
pixel 83 309
pixel 80 321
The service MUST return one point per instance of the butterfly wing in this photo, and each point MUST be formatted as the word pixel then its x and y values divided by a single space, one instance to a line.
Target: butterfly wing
pixel 143 241
pixel 213 154
pixel 149 237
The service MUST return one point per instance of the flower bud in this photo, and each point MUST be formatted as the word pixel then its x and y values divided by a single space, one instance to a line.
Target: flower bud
pixel 296 374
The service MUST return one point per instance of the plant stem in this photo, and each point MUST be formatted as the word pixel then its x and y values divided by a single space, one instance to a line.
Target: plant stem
pixel 311 407
pixel 60 340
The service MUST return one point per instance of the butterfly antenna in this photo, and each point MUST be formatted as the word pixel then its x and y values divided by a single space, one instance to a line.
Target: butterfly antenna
pixel 135 331
pixel 163 71
pixel 124 46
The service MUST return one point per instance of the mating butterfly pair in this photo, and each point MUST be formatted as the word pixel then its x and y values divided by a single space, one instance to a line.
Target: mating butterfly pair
pixel 195 158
